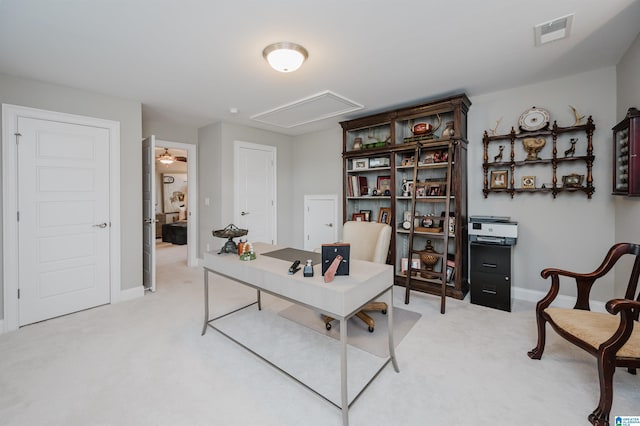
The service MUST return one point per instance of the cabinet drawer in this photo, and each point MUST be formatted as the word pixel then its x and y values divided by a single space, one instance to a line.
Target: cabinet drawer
pixel 491 290
pixel 491 259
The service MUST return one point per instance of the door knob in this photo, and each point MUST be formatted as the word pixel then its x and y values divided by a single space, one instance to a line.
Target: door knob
pixel 100 225
pixel 148 221
pixel 244 213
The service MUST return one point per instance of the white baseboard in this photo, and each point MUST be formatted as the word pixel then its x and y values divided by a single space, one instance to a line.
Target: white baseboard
pixel 560 301
pixel 130 294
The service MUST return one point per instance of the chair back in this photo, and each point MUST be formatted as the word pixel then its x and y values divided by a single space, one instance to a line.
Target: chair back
pixel 369 240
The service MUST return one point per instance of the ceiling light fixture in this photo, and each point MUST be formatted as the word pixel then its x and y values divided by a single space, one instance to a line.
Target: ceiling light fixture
pixel 285 56
pixel 166 158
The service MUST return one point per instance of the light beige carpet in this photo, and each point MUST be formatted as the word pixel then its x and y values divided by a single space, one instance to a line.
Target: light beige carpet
pixel 358 335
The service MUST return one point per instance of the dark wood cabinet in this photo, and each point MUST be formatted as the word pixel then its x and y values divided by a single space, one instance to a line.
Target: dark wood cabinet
pixel 379 154
pixel 626 155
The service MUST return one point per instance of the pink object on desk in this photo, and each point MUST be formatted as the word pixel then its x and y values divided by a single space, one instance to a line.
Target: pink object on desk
pixel 331 272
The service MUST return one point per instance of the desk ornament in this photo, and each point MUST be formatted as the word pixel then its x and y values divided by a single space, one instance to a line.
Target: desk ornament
pixel 230 231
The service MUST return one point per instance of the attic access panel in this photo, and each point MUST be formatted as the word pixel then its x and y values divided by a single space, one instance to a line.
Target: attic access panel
pixel 307 110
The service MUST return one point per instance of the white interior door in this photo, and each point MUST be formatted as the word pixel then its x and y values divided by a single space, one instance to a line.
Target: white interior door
pixel 320 220
pixel 255 177
pixel 64 222
pixel 149 213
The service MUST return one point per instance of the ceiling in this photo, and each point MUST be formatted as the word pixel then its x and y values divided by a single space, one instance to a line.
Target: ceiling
pixel 190 61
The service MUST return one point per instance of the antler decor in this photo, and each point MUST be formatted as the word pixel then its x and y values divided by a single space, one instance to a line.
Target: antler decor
pixel 494 131
pixel 578 117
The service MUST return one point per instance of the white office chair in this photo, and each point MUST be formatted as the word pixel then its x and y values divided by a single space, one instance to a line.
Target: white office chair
pixel 369 241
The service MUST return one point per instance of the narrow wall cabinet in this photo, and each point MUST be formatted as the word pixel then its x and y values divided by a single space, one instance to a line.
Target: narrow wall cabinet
pixel 551 160
pixel 407 167
pixel 626 155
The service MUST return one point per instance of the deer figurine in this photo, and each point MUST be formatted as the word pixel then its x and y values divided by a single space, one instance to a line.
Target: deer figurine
pixel 572 150
pixel 499 156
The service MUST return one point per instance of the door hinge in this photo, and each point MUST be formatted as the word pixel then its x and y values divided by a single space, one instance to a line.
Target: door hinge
pixel 18 216
pixel 18 293
pixel 16 135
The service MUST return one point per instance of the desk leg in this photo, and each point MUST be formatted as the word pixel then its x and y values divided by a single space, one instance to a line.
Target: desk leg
pixel 343 371
pixel 206 301
pixel 392 349
pixel 259 301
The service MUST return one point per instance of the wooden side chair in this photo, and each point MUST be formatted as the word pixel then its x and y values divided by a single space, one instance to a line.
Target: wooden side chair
pixel 613 337
pixel 369 241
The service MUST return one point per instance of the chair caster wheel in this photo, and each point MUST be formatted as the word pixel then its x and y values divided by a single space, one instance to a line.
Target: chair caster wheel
pixel 327 326
pixel 384 312
pixel 370 329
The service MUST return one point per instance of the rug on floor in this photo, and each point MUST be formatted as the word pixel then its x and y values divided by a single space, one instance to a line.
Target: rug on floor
pixel 358 335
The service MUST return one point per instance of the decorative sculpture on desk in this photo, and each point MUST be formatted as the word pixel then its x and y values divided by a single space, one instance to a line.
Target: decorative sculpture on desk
pixel 231 231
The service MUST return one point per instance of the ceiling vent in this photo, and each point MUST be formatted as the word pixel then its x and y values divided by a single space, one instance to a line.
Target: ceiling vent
pixel 313 108
pixel 553 30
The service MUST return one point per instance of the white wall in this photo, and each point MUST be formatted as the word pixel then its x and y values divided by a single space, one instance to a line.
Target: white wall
pixel 215 156
pixel 35 94
pixel 571 231
pixel 317 167
pixel 627 209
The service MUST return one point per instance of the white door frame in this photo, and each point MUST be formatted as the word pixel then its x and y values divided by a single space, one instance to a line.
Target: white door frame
pixel 192 195
pixel 237 145
pixel 10 115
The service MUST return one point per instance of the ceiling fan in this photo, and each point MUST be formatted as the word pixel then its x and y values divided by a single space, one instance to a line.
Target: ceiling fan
pixel 167 158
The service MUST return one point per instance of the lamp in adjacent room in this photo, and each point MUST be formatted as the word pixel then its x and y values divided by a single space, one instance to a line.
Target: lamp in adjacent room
pixel 166 158
pixel 285 56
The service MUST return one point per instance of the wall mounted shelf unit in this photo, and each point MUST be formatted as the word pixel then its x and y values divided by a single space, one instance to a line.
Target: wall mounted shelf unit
pixel 558 170
pixel 382 151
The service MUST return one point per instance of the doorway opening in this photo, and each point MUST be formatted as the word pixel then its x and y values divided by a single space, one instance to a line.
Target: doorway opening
pixel 176 203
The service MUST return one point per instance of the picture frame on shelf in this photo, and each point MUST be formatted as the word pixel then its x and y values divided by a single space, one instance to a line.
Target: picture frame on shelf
pixel 367 215
pixel 404 265
pixel 434 190
pixel 358 217
pixel 360 164
pixel 499 179
pixel 383 183
pixel 528 182
pixel 378 162
pixel 384 216
pixel 450 270
pixel 573 180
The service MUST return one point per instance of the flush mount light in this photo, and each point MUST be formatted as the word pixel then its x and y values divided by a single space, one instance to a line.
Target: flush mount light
pixel 166 158
pixel 285 56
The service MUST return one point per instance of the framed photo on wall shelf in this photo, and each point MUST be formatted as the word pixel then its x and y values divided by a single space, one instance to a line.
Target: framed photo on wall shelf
pixel 358 217
pixel 499 179
pixel 528 182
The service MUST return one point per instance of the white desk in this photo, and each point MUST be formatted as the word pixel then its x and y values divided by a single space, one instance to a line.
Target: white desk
pixel 340 299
